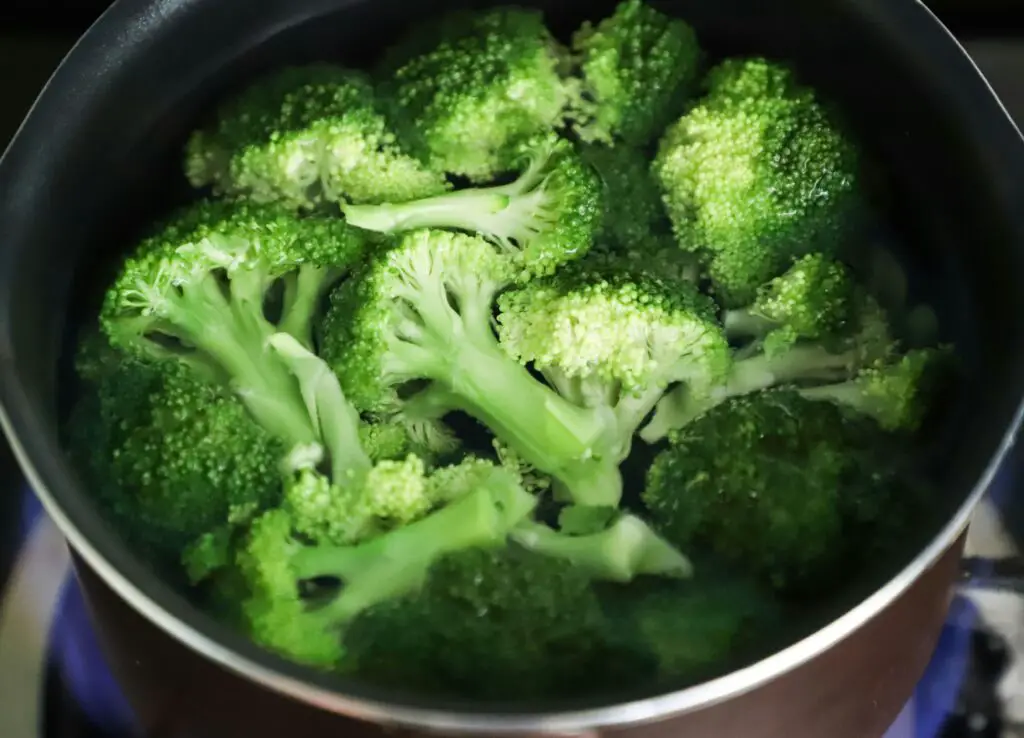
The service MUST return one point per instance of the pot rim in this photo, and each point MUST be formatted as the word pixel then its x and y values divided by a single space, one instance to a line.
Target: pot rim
pixel 20 419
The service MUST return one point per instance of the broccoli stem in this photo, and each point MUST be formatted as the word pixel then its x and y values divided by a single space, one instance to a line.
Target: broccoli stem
pixel 548 432
pixel 801 363
pixel 302 293
pixel 470 210
pixel 851 395
pixel 336 420
pixel 235 336
pixel 626 550
pixel 397 562
pixel 743 323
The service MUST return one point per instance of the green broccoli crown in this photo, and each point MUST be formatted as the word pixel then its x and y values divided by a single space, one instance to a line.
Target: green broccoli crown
pixel 303 135
pixel 282 572
pixel 757 481
pixel 637 68
pixel 391 322
pixel 198 291
pixel 755 175
pixel 170 456
pixel 632 199
pixel 502 624
pixel 487 82
pixel 635 332
pixel 548 216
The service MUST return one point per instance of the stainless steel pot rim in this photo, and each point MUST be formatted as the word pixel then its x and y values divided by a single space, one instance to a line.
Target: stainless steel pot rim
pixel 615 715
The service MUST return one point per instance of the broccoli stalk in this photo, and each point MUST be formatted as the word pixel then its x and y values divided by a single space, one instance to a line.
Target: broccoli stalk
pixel 547 216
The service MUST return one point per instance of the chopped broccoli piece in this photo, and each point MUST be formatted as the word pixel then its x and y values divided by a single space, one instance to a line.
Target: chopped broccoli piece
pixel 638 337
pixel 468 89
pixel 755 175
pixel 423 311
pixel 497 624
pixel 310 629
pixel 548 216
pixel 304 135
pixel 169 456
pixel 757 481
pixel 197 292
pixel 632 199
pixel 637 68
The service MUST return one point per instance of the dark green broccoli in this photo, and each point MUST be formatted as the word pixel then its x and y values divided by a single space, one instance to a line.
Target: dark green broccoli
pixel 637 69
pixel 758 481
pixel 754 175
pixel 497 624
pixel 304 135
pixel 169 456
pixel 632 199
pixel 549 215
pixel 198 290
pixel 467 89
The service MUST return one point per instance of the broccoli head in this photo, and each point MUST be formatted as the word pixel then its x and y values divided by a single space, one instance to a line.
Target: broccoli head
pixel 200 289
pixel 548 216
pixel 304 135
pixel 422 311
pixel 468 89
pixel 757 480
pixel 495 624
pixel 754 175
pixel 637 68
pixel 632 199
pixel 303 596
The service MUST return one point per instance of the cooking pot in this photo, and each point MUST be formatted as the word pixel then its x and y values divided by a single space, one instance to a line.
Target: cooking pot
pixel 98 157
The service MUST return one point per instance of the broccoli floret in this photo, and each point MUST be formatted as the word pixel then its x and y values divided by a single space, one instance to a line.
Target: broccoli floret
pixel 502 624
pixel 757 481
pixel 755 174
pixel 469 88
pixel 614 342
pixel 304 135
pixel 637 68
pixel 549 215
pixel 632 200
pixel 422 310
pixel 291 610
pixel 817 298
pixel 169 456
pixel 198 292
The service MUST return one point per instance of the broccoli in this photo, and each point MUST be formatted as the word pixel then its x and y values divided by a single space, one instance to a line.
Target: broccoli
pixel 422 310
pixel 549 215
pixel 198 290
pixel 304 135
pixel 757 480
pixel 639 336
pixel 469 88
pixel 632 199
pixel 279 566
pixel 170 456
pixel 495 624
pixel 755 174
pixel 637 68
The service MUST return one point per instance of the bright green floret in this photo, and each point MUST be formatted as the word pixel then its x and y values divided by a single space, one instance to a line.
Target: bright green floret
pixel 288 614
pixel 757 481
pixel 198 291
pixel 637 68
pixel 467 90
pixel 548 216
pixel 638 337
pixel 305 135
pixel 501 624
pixel 754 175
pixel 169 456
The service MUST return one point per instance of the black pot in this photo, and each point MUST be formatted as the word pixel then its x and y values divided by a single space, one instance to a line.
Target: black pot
pixel 99 156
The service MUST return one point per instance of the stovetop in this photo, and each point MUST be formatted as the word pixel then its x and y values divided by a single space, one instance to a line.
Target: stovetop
pixel 54 683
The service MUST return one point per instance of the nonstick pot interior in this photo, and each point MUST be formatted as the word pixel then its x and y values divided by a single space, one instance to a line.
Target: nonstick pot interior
pixel 100 157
